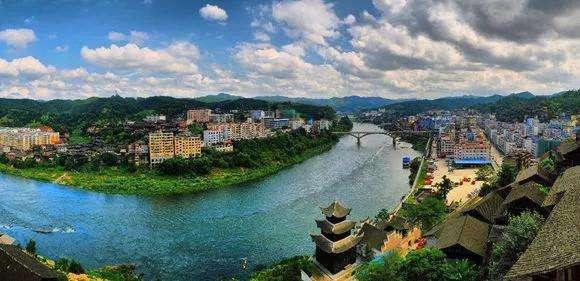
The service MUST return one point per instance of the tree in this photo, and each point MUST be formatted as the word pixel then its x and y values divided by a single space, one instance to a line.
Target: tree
pixel 427 214
pixel 427 264
pixel 515 239
pixel 507 174
pixel 386 268
pixel 31 247
pixel 195 128
pixel 444 188
pixel 285 270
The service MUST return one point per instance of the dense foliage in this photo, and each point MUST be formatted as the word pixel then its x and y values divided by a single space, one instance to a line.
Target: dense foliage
pixel 281 149
pixel 516 237
pixel 285 270
pixel 427 213
pixel 414 168
pixel 515 108
pixel 506 175
pixel 426 264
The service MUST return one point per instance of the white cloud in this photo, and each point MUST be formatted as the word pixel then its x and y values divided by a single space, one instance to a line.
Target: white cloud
pixel 179 57
pixel 390 6
pixel 135 37
pixel 27 66
pixel 213 13
pixel 18 38
pixel 349 20
pixel 310 20
pixel 261 36
pixel 61 49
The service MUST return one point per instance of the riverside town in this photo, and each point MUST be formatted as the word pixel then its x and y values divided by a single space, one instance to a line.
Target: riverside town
pixel 289 140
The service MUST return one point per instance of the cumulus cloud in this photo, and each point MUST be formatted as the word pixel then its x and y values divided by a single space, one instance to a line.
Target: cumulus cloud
pixel 213 13
pixel 135 37
pixel 179 57
pixel 18 38
pixel 310 20
pixel 26 66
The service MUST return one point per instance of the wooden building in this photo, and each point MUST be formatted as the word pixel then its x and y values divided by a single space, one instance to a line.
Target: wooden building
pixel 554 254
pixel 336 243
pixel 463 237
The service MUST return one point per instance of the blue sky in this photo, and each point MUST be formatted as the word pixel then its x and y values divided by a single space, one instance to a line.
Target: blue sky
pixel 309 48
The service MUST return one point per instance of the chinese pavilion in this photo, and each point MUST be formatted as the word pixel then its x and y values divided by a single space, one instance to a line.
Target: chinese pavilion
pixel 335 245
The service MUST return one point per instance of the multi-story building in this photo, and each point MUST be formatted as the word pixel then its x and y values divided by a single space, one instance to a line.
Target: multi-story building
pixel 211 137
pixel 24 139
pixel 257 115
pixel 163 146
pixel 155 118
pixel 221 118
pixel 296 123
pixel 187 145
pixel 275 123
pixel 198 115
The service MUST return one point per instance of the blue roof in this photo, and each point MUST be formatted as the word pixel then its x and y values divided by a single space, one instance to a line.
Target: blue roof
pixel 474 161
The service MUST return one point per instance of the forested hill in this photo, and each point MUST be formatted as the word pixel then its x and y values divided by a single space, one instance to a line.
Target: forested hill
pixel 449 103
pixel 507 108
pixel 67 115
pixel 516 108
pixel 348 104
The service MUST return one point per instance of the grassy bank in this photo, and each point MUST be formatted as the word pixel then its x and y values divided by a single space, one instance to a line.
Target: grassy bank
pixel 149 182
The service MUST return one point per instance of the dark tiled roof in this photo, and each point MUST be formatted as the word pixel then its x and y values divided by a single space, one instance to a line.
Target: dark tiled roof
pixel 485 207
pixel 532 174
pixel 335 209
pixel 373 235
pixel 338 246
pixel 337 228
pixel 567 148
pixel 466 231
pixel 529 190
pixel 18 256
pixel 569 179
pixel 557 245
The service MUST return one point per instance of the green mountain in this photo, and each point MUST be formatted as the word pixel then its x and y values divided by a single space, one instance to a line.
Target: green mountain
pixel 70 115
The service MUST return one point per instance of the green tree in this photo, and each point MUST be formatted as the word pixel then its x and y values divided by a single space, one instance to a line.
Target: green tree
pixel 506 175
pixel 285 270
pixel 444 187
pixel 195 128
pixel 427 214
pixel 31 247
pixel 515 239
pixel 425 264
pixel 386 268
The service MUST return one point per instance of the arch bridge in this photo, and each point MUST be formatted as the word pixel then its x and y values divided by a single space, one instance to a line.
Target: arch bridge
pixel 358 135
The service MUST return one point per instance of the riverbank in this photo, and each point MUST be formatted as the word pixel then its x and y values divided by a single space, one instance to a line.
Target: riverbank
pixel 148 182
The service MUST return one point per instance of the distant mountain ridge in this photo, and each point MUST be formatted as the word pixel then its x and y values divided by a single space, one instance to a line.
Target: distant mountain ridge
pixel 353 104
pixel 348 104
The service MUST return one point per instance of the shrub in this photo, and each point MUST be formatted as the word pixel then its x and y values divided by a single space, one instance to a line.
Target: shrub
pixel 516 237
pixel 69 265
pixel 31 247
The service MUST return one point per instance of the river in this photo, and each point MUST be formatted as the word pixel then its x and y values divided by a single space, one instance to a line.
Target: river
pixel 206 236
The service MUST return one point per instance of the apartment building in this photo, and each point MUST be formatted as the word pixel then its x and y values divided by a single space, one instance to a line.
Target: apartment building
pixel 211 137
pixel 187 146
pixel 221 118
pixel 198 115
pixel 163 146
pixel 24 139
pixel 245 130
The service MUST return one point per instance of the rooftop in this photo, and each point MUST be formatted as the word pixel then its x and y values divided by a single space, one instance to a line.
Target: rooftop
pixel 557 245
pixel 335 209
pixel 466 231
